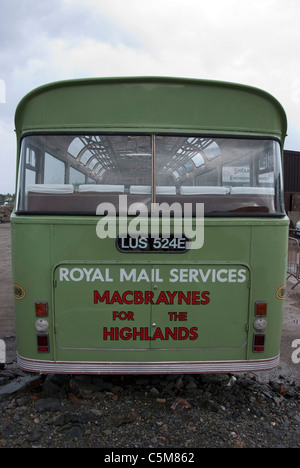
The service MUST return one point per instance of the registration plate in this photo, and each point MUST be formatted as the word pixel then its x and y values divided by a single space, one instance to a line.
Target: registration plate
pixel 150 244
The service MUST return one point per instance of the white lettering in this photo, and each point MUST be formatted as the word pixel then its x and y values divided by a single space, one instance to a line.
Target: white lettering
pixel 213 276
pixel 184 275
pixel 63 274
pixel 242 276
pixel 165 209
pixel 73 274
pixel 131 276
pixel 194 275
pixel 204 277
pixel 220 278
pixel 2 352
pixel 143 243
pixel 173 275
pixel 181 275
pixel 143 276
pixel 296 353
pixel 196 235
pixel 232 276
pixel 106 227
pixel 115 458
pixel 97 275
pixel 88 273
pixel 123 216
pixel 138 226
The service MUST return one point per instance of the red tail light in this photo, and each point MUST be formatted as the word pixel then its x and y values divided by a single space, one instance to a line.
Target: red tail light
pixel 43 343
pixel 41 309
pixel 259 342
pixel 260 308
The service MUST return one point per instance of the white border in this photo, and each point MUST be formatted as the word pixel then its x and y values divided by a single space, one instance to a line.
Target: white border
pixel 2 352
pixel 194 367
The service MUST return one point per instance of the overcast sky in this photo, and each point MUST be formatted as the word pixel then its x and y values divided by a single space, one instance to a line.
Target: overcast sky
pixel 253 42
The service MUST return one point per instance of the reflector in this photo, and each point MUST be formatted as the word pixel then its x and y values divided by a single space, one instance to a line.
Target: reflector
pixel 41 309
pixel 259 342
pixel 260 308
pixel 43 343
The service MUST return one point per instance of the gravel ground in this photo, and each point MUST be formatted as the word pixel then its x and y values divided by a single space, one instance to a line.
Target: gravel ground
pixel 162 411
pixel 173 411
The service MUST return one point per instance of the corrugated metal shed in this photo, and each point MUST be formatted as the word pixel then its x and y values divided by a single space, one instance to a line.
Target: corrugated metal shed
pixel 291 171
pixel 291 174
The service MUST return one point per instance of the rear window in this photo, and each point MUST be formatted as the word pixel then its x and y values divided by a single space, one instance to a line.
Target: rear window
pixel 73 174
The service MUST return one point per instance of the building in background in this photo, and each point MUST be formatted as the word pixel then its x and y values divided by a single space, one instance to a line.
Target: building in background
pixel 291 171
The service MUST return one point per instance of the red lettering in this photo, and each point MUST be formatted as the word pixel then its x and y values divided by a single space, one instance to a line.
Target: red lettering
pixel 162 298
pixel 116 298
pixel 181 316
pixel 124 297
pixel 115 315
pixel 108 334
pixel 123 315
pixel 98 298
pixel 182 296
pixel 146 297
pixel 170 333
pixel 125 334
pixel 196 297
pixel 139 334
pixel 149 297
pixel 171 296
pixel 193 333
pixel 183 333
pixel 138 297
pixel 205 297
pixel 158 334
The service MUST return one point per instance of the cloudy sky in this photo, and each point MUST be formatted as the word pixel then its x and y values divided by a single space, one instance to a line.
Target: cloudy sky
pixel 253 42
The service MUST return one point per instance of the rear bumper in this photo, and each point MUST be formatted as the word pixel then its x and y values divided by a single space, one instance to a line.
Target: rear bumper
pixel 195 367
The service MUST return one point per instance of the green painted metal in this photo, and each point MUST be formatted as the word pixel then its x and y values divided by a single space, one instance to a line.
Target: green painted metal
pixel 60 259
pixel 255 250
pixel 151 104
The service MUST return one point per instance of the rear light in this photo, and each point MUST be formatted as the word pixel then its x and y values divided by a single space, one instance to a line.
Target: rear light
pixel 259 342
pixel 260 324
pixel 41 325
pixel 41 309
pixel 260 308
pixel 43 343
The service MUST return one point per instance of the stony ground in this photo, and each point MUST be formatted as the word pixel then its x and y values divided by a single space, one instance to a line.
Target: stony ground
pixel 177 411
